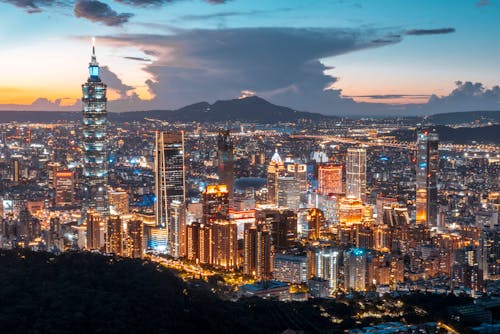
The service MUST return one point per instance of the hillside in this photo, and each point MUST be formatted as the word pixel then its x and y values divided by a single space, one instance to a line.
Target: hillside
pixel 485 134
pixel 251 109
pixel 481 117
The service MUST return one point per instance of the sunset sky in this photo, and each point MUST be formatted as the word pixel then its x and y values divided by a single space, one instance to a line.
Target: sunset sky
pixel 333 56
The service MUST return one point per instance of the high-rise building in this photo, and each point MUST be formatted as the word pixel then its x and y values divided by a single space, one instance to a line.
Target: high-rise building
pixel 290 268
pixel 288 192
pixel 16 169
pixel 215 203
pixel 115 235
pixel 94 230
pixel 170 186
pixel 356 173
pixel 355 265
pixel 135 238
pixel 225 244
pixel 64 186
pixel 427 170
pixel 225 160
pixel 275 169
pixel 325 265
pixel 257 251
pixel 330 179
pixel 95 170
pixel 118 201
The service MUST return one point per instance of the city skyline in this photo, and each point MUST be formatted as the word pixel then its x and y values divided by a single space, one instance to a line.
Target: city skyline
pixel 342 57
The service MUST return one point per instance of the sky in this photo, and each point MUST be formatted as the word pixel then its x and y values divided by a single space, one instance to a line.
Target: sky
pixel 336 57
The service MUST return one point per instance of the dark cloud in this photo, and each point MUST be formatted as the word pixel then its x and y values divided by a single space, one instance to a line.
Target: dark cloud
pixel 138 58
pixel 114 82
pixel 482 3
pixel 465 97
pixel 391 96
pixel 194 17
pixel 439 31
pixel 33 6
pixel 97 11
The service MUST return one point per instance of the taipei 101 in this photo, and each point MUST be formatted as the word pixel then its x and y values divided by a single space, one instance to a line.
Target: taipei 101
pixel 250 166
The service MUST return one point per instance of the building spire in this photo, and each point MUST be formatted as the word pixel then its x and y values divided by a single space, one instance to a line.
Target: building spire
pixel 94 59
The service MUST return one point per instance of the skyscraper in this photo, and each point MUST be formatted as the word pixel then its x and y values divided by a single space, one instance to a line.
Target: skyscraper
pixel 64 188
pixel 355 269
pixel 170 185
pixel 94 228
pixel 95 168
pixel 356 173
pixel 257 251
pixel 215 203
pixel 225 244
pixel 275 169
pixel 225 161
pixel 330 179
pixel 427 169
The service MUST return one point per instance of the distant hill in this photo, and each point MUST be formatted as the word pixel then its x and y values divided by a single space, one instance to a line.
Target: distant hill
pixel 485 134
pixel 481 117
pixel 250 109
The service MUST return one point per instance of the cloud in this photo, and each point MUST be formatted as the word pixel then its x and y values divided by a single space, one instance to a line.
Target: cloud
pixel 114 82
pixel 153 3
pixel 33 6
pixel 482 3
pixel 440 31
pixel 467 96
pixel 391 96
pixel 138 58
pixel 97 11
pixel 282 64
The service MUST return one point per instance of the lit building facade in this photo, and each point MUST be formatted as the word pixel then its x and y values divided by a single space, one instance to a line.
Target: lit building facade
pixel 215 203
pixel 355 265
pixel 258 252
pixel 170 186
pixel 95 165
pixel 330 179
pixel 427 171
pixel 225 160
pixel 356 173
pixel 64 186
pixel 225 244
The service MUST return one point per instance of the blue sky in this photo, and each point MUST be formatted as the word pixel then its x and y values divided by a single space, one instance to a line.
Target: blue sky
pixel 335 57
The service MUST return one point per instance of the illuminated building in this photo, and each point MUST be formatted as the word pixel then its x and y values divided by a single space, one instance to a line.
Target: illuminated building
pixel 94 230
pixel 225 157
pixel 257 252
pixel 215 203
pixel 170 187
pixel 316 223
pixel 95 168
pixel 351 211
pixel 299 172
pixel 199 243
pixel 330 179
pixel 64 188
pixel 225 244
pixel 16 170
pixel 324 264
pixel 355 265
pixel 427 170
pixel 381 202
pixel 283 225
pixel 177 240
pixel 288 192
pixel 135 238
pixel 275 169
pixel 115 236
pixel 356 173
pixel 118 199
pixel 290 268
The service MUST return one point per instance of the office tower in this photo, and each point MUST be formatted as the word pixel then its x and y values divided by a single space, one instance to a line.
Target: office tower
pixel 170 185
pixel 275 169
pixel 382 202
pixel 351 211
pixel 225 244
pixel 290 268
pixel 16 170
pixel 299 172
pixel 135 238
pixel 193 241
pixel 64 185
pixel 258 252
pixel 114 235
pixel 215 200
pixel 225 161
pixel 315 223
pixel 355 265
pixel 118 201
pixel 330 179
pixel 283 226
pixel 177 240
pixel 427 170
pixel 325 265
pixel 94 228
pixel 356 173
pixel 288 192
pixel 95 169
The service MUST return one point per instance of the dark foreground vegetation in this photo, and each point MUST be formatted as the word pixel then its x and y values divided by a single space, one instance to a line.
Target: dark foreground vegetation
pixel 90 293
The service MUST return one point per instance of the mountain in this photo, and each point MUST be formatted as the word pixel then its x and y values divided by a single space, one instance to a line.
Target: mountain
pixel 250 109
pixel 463 135
pixel 480 117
